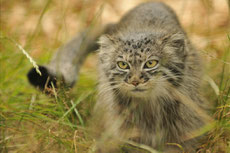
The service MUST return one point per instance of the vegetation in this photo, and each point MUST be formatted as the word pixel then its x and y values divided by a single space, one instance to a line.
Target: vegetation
pixel 31 121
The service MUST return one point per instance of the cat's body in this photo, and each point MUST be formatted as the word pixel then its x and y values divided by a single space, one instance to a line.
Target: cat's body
pixel 163 103
pixel 149 83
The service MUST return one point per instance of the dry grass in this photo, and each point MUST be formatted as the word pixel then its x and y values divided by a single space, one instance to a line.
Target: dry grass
pixel 33 122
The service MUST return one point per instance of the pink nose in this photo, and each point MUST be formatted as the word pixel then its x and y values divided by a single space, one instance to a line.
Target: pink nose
pixel 135 83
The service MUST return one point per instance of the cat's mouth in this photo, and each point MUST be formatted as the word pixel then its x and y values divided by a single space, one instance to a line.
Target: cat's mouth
pixel 138 90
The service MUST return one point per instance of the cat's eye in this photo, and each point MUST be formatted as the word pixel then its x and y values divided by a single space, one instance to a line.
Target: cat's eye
pixel 123 65
pixel 151 64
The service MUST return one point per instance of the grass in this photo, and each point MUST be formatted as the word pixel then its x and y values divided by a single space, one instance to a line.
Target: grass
pixel 27 113
pixel 31 121
pixel 218 139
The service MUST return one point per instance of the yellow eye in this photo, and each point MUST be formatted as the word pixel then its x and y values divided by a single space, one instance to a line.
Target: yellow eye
pixel 123 65
pixel 151 64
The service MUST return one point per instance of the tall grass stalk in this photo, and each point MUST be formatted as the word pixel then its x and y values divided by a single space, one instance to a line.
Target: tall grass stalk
pixel 25 53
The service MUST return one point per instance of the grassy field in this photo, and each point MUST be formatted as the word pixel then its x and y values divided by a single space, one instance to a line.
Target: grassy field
pixel 31 121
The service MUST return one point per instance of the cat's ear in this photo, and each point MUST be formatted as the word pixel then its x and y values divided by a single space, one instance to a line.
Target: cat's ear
pixel 178 42
pixel 106 42
pixel 106 49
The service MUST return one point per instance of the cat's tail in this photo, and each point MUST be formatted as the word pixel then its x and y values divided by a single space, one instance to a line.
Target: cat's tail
pixel 46 79
pixel 66 62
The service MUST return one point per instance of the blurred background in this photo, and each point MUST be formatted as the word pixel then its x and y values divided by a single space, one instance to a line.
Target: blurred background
pixel 31 121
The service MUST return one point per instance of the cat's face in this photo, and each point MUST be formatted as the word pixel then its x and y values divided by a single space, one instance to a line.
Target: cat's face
pixel 139 67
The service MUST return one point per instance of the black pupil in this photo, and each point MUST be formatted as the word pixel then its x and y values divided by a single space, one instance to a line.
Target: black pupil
pixel 150 62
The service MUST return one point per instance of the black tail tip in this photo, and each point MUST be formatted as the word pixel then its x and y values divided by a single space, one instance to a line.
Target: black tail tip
pixel 41 81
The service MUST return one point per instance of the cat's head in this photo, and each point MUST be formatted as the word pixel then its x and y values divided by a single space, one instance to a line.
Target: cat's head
pixel 142 65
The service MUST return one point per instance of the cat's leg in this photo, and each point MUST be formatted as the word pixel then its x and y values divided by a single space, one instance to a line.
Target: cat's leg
pixel 68 59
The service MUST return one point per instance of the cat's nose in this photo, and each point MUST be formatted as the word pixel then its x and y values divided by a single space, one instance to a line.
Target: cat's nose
pixel 135 83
